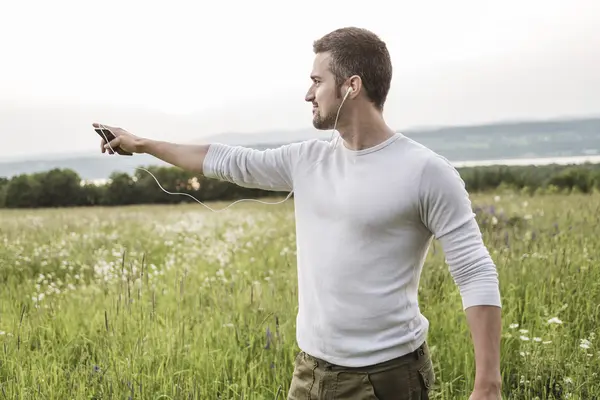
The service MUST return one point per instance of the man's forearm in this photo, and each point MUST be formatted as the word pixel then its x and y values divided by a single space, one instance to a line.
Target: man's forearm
pixel 485 323
pixel 186 156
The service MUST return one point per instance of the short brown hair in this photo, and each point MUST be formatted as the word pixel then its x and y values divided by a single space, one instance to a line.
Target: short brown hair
pixel 357 51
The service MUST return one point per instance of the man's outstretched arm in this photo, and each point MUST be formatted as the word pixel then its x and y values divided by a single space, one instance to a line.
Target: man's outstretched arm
pixel 447 212
pixel 270 169
pixel 185 156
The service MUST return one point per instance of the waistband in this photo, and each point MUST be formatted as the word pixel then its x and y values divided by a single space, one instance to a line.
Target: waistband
pixel 419 353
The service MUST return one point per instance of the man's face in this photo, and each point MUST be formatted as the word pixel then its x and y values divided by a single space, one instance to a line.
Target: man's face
pixel 323 93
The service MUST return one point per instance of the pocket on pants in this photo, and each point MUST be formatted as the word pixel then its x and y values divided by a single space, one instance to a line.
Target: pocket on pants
pixel 303 378
pixel 426 377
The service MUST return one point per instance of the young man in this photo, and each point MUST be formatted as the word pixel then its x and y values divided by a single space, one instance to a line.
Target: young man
pixel 367 207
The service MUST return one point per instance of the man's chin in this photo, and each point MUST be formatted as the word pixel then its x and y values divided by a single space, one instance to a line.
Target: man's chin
pixel 322 125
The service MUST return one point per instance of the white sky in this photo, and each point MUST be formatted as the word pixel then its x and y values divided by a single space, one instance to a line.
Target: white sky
pixel 245 65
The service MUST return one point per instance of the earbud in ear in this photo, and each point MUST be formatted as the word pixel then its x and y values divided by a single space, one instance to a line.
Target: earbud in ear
pixel 349 90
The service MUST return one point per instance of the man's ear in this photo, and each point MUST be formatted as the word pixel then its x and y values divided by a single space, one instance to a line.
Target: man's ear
pixel 354 86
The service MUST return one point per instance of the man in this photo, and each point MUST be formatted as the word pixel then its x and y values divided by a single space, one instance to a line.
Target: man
pixel 367 207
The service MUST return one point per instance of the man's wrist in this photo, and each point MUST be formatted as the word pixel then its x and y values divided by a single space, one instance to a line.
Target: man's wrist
pixel 489 382
pixel 142 145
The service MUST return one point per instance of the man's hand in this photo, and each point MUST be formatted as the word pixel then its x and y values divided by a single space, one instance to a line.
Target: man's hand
pixel 123 140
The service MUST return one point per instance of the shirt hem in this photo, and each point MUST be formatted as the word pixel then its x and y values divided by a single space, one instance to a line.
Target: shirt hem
pixel 374 358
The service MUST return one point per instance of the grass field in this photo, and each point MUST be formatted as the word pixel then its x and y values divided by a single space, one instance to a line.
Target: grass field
pixel 175 302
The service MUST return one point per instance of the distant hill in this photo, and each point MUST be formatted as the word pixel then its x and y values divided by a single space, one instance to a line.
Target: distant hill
pixel 529 139
pixel 525 139
pixel 520 139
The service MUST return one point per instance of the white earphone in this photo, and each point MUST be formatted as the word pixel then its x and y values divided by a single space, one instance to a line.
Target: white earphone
pixel 350 90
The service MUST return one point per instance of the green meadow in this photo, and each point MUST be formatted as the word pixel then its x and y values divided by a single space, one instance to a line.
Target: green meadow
pixel 176 302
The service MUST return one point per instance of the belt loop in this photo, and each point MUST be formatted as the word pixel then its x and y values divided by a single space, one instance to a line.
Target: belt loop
pixel 420 352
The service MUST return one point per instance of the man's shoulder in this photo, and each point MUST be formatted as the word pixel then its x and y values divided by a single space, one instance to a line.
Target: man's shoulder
pixel 421 156
pixel 430 168
pixel 308 149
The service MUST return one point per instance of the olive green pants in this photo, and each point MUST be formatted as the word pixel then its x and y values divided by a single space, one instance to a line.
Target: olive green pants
pixel 409 377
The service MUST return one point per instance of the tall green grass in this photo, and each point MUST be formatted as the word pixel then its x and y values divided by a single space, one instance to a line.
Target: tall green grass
pixel 175 302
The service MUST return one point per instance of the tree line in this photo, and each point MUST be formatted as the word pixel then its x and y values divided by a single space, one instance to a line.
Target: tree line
pixel 64 187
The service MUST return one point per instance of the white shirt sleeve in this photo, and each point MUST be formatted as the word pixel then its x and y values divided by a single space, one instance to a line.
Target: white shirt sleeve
pixel 447 213
pixel 270 169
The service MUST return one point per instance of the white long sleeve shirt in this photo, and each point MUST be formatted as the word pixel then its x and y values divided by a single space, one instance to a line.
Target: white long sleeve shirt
pixel 364 223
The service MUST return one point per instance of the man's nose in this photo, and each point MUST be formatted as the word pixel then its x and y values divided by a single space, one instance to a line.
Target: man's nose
pixel 310 95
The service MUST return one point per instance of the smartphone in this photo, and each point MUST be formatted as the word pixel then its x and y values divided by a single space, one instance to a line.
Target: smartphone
pixel 106 134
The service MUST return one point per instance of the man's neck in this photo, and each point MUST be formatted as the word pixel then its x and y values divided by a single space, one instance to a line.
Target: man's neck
pixel 364 130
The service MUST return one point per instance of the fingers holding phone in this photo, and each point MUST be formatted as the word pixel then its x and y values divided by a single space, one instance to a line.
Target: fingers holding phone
pixel 114 139
pixel 114 146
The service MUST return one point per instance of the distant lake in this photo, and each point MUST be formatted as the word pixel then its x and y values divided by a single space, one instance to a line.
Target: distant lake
pixel 595 159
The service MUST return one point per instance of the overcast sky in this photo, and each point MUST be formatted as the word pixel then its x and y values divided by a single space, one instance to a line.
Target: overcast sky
pixel 244 66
